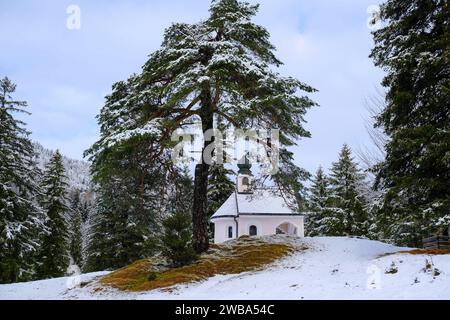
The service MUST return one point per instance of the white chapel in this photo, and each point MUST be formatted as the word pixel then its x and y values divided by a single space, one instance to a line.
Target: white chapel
pixel 254 212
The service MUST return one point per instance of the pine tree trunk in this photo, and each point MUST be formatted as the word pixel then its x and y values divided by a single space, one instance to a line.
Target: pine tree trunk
pixel 199 216
pixel 199 211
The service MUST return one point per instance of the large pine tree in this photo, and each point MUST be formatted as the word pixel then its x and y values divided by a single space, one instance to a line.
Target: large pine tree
pixel 53 256
pixel 222 66
pixel 413 48
pixel 21 220
pixel 347 198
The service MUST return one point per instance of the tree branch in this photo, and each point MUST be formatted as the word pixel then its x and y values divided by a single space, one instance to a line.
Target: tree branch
pixel 231 120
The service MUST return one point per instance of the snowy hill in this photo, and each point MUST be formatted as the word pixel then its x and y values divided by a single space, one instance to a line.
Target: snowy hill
pixel 331 268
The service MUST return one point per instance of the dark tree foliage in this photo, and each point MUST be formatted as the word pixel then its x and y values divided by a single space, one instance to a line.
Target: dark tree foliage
pixel 220 187
pixel 177 239
pixel 133 194
pixel 319 214
pixel 414 49
pixel 116 238
pixel 347 198
pixel 53 258
pixel 75 225
pixel 21 220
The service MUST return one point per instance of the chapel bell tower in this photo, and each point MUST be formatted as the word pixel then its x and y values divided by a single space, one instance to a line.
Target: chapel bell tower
pixel 245 176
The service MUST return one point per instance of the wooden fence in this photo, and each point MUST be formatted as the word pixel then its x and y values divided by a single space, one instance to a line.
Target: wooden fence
pixel 436 242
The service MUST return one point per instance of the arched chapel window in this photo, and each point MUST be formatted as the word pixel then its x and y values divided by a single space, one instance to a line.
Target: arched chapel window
pixel 230 232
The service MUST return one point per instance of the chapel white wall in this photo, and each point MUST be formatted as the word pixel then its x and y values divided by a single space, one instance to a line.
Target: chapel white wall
pixel 267 225
pixel 221 229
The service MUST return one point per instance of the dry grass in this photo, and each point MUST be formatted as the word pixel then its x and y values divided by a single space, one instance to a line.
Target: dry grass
pixel 243 255
pixel 420 251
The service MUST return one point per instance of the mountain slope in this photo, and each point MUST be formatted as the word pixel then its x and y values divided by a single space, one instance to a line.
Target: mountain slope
pixel 77 172
pixel 331 268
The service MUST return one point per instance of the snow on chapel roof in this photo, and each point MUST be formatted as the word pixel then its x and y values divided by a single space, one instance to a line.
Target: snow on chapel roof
pixel 260 202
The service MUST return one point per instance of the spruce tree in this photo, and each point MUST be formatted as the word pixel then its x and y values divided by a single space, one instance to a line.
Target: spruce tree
pixel 220 187
pixel 224 65
pixel 53 254
pixel 100 253
pixel 347 198
pixel 319 218
pixel 177 239
pixel 21 220
pixel 413 48
pixel 133 196
pixel 181 195
pixel 118 233
pixel 75 231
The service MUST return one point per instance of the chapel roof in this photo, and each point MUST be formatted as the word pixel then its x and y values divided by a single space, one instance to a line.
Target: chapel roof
pixel 260 202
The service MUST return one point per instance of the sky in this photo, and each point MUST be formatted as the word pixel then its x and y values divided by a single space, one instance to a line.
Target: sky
pixel 64 74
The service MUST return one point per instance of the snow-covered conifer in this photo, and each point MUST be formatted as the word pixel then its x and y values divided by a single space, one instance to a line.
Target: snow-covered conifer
pixel 319 217
pixel 222 66
pixel 220 187
pixel 347 198
pixel 21 220
pixel 53 257
pixel 75 229
pixel 413 48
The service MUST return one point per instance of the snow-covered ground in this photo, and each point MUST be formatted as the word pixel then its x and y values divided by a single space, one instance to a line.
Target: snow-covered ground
pixel 332 268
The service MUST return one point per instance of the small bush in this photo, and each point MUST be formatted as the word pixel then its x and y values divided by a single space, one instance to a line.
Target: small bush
pixel 431 269
pixel 393 269
pixel 152 276
pixel 177 240
pixel 428 266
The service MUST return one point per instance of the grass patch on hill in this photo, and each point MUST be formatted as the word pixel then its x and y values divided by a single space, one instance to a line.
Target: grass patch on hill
pixel 242 255
pixel 420 251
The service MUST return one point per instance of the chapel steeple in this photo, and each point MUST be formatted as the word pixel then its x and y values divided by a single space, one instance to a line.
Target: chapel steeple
pixel 245 176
